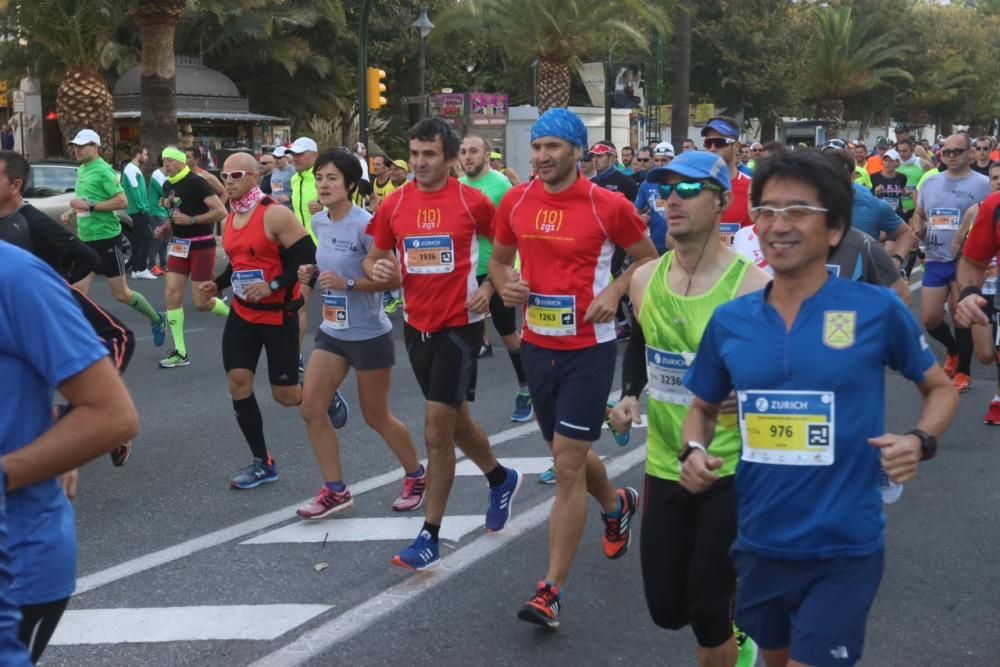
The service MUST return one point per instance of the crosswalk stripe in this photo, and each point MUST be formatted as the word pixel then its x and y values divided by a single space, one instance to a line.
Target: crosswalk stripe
pixel 172 624
pixel 368 529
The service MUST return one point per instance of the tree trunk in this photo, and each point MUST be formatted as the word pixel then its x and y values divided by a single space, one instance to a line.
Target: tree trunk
pixel 767 129
pixel 831 112
pixel 553 85
pixel 84 101
pixel 680 65
pixel 157 23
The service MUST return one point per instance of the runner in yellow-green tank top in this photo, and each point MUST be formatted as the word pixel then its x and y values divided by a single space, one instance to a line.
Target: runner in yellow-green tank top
pixel 685 538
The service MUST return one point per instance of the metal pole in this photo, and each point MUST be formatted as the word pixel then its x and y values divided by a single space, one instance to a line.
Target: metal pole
pixel 609 97
pixel 423 78
pixel 363 73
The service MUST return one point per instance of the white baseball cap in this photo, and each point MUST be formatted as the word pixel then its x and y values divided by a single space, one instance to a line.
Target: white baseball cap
pixel 279 151
pixel 303 144
pixel 84 137
pixel 664 148
pixel 892 154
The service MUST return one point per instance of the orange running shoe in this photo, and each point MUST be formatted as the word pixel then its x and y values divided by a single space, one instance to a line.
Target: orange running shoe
pixel 543 607
pixel 993 414
pixel 618 529
pixel 962 382
pixel 951 365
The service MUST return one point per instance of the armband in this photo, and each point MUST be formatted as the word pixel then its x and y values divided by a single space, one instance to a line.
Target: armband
pixel 224 279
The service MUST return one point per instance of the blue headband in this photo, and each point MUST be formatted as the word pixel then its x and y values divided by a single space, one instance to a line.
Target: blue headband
pixel 561 124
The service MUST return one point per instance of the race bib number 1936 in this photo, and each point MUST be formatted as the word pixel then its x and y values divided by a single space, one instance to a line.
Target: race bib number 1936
pixel 429 254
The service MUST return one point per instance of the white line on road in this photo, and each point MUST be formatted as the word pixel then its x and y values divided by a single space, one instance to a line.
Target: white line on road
pixel 172 624
pixel 235 532
pixel 318 641
pixel 367 529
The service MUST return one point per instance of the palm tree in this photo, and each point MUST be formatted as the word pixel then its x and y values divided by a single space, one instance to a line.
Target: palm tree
pixel 850 57
pixel 75 38
pixel 680 66
pixel 555 32
pixel 950 77
pixel 157 22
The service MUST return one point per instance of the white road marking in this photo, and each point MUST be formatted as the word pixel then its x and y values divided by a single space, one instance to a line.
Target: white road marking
pixel 368 529
pixel 349 623
pixel 173 624
pixel 239 530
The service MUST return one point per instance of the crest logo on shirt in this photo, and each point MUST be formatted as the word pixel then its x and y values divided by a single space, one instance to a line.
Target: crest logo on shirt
pixel 428 218
pixel 548 220
pixel 838 328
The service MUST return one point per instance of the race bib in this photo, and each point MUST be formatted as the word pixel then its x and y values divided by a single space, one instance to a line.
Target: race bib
pixel 990 278
pixel 243 279
pixel 429 254
pixel 277 187
pixel 552 315
pixel 945 219
pixel 727 232
pixel 335 310
pixel 665 371
pixel 180 248
pixel 79 213
pixel 658 205
pixel 891 201
pixel 787 427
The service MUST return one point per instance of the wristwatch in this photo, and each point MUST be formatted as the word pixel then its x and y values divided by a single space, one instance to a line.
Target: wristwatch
pixel 688 448
pixel 92 204
pixel 274 285
pixel 350 284
pixel 928 444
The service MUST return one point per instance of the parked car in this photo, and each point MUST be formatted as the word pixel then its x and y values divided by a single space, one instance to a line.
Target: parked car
pixel 52 185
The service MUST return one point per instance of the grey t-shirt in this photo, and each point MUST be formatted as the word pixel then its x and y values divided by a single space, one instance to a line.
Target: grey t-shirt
pixel 944 201
pixel 342 246
pixel 281 184
pixel 860 257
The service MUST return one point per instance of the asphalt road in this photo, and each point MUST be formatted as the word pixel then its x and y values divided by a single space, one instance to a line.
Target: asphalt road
pixel 166 576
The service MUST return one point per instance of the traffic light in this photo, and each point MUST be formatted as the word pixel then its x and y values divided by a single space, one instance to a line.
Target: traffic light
pixel 376 89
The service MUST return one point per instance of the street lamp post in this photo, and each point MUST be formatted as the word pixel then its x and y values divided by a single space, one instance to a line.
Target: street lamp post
pixel 424 27
pixel 470 67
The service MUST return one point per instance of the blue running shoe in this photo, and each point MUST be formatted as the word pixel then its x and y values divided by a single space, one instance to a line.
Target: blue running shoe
pixel 339 410
pixel 302 364
pixel 254 475
pixel 890 490
pixel 422 554
pixel 549 476
pixel 622 437
pixel 160 330
pixel 501 500
pixel 523 411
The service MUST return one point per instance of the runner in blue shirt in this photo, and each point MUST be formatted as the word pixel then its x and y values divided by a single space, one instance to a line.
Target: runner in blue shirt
pixel 806 359
pixel 46 344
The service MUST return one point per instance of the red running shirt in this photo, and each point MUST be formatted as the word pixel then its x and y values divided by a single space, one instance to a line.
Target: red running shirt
pixel 436 236
pixel 256 259
pixel 739 209
pixel 983 243
pixel 566 241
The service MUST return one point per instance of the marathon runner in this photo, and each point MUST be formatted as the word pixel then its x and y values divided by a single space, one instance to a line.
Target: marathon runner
pixel 434 228
pixel 194 210
pixel 889 185
pixel 134 185
pixel 265 246
pixel 98 196
pixel 942 201
pixel 281 177
pixel 565 229
pixel 305 204
pixel 685 538
pixel 810 386
pixel 193 157
pixel 47 345
pixel 355 333
pixel 722 137
pixel 479 175
pixel 977 277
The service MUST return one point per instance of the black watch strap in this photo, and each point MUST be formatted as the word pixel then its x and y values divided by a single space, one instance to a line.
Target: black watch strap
pixel 928 444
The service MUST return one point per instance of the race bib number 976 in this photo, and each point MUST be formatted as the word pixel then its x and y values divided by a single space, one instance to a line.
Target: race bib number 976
pixel 787 427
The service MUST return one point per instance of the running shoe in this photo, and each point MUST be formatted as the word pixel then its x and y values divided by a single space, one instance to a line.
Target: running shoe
pixel 951 365
pixel 122 454
pixel 422 554
pixel 392 305
pixel 523 411
pixel 621 437
pixel 157 271
pixel 412 496
pixel 501 500
pixel 746 648
pixel 160 331
pixel 543 607
pixel 890 490
pixel 339 410
pixel 302 364
pixel 549 476
pixel 174 360
pixel 326 503
pixel 993 414
pixel 962 382
pixel 254 475
pixel 622 332
pixel 145 274
pixel 618 529
pixel 485 350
